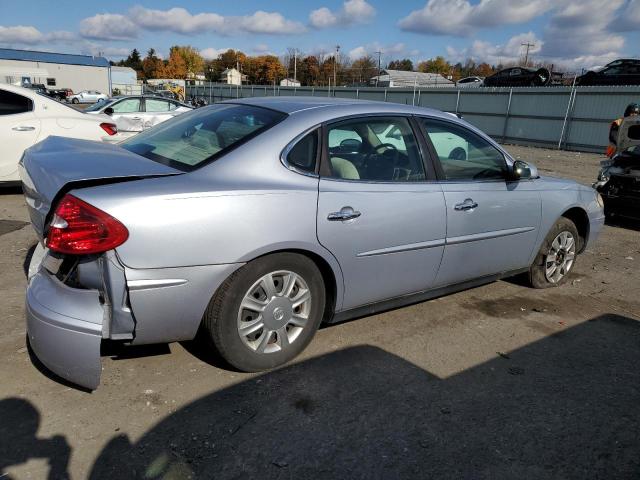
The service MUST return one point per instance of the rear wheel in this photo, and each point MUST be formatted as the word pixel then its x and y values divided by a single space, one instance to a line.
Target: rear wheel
pixel 75 101
pixel 556 256
pixel 267 312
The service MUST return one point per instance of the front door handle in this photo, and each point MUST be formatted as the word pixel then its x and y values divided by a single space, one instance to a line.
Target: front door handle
pixel 23 128
pixel 468 204
pixel 345 213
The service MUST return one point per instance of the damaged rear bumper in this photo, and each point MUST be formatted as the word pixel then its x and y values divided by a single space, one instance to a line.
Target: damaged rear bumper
pixel 67 320
pixel 64 326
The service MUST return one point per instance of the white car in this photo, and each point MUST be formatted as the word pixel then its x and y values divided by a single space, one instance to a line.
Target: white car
pixel 27 117
pixel 87 96
pixel 470 82
pixel 135 113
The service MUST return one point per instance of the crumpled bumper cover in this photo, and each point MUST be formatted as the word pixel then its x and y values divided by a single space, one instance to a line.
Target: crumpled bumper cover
pixel 64 326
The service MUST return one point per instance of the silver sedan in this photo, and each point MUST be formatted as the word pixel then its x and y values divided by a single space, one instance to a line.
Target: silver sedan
pixel 254 221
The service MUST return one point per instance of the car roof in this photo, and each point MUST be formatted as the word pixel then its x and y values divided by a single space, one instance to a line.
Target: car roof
pixel 292 105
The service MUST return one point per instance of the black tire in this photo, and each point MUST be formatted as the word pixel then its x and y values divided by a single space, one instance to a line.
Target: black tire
pixel 75 101
pixel 537 276
pixel 220 322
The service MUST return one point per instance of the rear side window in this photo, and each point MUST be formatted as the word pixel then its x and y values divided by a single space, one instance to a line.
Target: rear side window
pixel 154 105
pixel 198 137
pixel 304 154
pixel 12 103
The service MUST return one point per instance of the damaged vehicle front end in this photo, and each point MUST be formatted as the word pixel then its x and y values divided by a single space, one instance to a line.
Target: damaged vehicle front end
pixel 619 185
pixel 619 178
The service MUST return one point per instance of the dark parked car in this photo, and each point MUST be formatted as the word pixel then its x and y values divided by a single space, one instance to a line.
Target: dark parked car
pixel 523 77
pixel 60 94
pixel 624 71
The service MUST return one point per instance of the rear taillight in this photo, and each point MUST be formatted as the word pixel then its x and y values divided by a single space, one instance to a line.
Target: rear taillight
pixel 78 228
pixel 110 128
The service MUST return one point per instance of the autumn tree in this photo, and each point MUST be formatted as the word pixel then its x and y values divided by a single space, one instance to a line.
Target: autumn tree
pixel 309 70
pixel 435 65
pixel 193 61
pixel 404 64
pixel 151 65
pixel 363 68
pixel 175 67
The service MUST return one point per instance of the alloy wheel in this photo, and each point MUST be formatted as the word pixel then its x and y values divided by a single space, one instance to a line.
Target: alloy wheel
pixel 560 257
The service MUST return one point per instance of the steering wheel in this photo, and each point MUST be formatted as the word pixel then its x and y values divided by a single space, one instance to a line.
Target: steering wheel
pixel 458 153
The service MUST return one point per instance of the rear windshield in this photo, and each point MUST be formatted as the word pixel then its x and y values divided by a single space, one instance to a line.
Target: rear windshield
pixel 198 137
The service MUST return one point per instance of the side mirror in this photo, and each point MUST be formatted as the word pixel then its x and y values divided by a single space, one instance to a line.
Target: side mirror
pixel 108 111
pixel 522 170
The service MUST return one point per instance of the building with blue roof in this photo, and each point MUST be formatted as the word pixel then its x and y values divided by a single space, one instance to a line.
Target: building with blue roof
pixel 55 70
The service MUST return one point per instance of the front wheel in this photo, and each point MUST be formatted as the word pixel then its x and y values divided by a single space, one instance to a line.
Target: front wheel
pixel 556 256
pixel 267 312
pixel 75 101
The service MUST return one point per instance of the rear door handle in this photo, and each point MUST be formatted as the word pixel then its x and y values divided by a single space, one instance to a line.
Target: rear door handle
pixel 345 213
pixel 23 128
pixel 468 204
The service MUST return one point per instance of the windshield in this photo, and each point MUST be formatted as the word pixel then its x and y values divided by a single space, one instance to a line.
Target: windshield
pixel 99 105
pixel 200 136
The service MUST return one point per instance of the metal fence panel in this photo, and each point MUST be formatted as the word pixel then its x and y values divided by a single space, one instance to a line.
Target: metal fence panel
pixel 560 117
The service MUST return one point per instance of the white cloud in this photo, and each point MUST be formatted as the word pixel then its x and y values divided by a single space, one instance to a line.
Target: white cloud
pixel 271 23
pixel 29 35
pixel 180 20
pixel 582 29
pixel 261 48
pixel 395 49
pixel 108 26
pixel 460 17
pixel 23 34
pixel 629 18
pixel 177 20
pixel 90 48
pixel 494 54
pixel 212 53
pixel 352 12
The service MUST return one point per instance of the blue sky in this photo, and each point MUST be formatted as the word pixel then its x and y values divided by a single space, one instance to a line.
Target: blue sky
pixel 571 33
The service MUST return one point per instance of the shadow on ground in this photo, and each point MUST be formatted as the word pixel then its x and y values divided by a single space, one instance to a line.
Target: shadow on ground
pixel 567 406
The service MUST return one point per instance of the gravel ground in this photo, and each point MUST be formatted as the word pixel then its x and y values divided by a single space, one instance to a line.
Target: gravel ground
pixel 501 381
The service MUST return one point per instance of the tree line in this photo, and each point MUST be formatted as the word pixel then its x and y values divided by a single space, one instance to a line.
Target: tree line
pixel 186 62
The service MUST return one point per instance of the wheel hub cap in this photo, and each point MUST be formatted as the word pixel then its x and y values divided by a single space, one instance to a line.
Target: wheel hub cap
pixel 274 312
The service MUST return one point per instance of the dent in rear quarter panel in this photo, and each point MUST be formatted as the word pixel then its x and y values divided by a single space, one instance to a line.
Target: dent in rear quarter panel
pixel 198 236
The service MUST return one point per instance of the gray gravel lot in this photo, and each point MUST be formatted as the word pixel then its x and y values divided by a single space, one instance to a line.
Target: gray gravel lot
pixel 501 381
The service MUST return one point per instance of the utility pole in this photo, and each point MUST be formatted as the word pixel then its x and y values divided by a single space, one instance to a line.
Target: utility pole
pixel 378 77
pixel 295 64
pixel 526 55
pixel 335 65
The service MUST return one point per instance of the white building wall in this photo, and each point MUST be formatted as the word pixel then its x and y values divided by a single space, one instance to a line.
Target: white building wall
pixel 75 77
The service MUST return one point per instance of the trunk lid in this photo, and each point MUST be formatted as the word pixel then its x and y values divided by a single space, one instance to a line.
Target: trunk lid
pixel 56 165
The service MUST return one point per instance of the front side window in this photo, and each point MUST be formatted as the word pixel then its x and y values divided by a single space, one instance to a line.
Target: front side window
pixel 128 105
pixel 464 155
pixel 12 103
pixel 304 154
pixel 374 149
pixel 197 137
